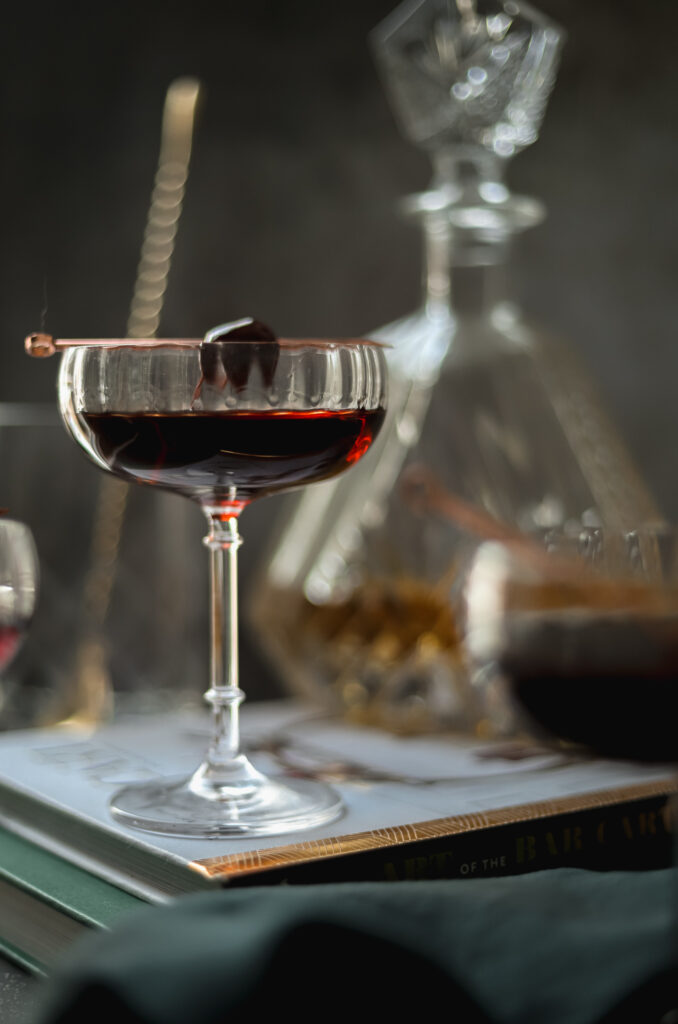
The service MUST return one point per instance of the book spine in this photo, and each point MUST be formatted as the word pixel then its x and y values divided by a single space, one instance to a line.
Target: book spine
pixel 632 836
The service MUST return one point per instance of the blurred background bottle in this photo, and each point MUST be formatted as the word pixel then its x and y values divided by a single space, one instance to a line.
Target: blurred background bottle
pixel 492 425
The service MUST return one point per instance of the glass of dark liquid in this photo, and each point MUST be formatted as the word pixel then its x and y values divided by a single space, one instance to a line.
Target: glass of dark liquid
pixel 235 418
pixel 18 586
pixel 575 638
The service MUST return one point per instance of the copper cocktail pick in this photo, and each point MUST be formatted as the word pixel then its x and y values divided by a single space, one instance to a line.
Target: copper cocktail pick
pixel 40 346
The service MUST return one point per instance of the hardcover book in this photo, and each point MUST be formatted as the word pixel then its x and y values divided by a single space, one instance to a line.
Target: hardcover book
pixel 433 806
pixel 46 903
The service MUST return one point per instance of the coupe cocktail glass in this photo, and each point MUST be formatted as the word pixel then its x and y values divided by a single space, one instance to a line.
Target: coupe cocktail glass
pixel 224 422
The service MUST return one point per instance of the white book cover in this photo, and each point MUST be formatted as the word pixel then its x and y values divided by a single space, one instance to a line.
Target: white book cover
pixel 55 785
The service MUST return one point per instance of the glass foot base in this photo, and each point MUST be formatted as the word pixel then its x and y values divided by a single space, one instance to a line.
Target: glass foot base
pixel 272 807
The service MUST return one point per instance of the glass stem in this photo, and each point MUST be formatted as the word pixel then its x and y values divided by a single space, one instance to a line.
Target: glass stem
pixel 224 694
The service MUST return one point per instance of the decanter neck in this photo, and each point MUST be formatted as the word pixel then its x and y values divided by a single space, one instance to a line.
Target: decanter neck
pixel 478 291
pixel 465 272
pixel 468 224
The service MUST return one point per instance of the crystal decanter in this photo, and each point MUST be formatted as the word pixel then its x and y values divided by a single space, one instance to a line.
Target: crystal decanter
pixel 492 427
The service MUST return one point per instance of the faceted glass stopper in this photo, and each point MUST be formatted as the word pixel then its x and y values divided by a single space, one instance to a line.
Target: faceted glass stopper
pixel 474 73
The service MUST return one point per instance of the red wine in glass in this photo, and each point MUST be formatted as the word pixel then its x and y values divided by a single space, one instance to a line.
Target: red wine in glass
pixel 205 455
pixel 11 635
pixel 18 586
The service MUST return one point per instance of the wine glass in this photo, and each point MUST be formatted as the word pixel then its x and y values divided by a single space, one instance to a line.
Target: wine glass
pixel 223 422
pixel 574 637
pixel 18 586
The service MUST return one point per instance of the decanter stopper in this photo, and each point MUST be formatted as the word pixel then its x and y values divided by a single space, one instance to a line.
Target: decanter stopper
pixel 468 79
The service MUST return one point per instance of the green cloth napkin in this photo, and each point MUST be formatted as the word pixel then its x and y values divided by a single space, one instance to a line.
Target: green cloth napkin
pixel 560 947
